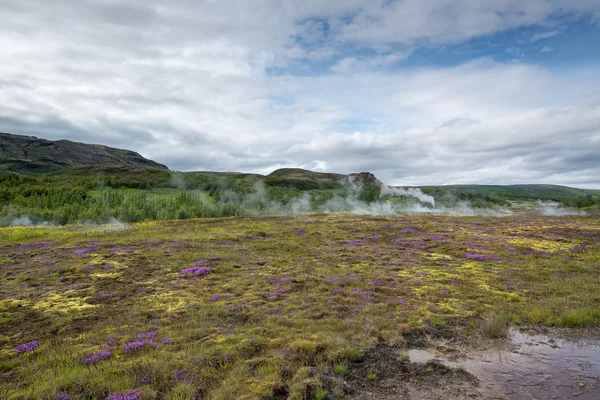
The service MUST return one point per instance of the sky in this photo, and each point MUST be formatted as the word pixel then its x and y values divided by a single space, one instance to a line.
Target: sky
pixel 418 92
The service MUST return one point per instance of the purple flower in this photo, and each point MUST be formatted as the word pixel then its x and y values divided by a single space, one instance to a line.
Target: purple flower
pixel 218 297
pixel 153 344
pixel 408 229
pixel 484 257
pixel 166 340
pixel 133 346
pixel 400 241
pixel 97 357
pixel 28 347
pixel 83 251
pixel 111 340
pixel 196 270
pixel 353 243
pixel 226 241
pixel 277 292
pixel 227 357
pixel 185 376
pixel 31 246
pixel 131 395
pixel 62 396
pixel 147 335
pixel 366 295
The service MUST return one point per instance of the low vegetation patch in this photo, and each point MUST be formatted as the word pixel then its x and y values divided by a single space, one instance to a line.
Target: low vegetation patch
pixel 272 307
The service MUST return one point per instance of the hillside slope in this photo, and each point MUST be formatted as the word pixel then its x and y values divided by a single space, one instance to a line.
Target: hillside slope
pixel 30 155
pixel 512 192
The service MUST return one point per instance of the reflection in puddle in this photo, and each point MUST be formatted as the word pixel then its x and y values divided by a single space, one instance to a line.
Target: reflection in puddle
pixel 539 367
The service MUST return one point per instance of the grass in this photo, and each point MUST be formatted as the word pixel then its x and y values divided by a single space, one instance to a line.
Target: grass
pixel 340 368
pixel 372 376
pixel 495 326
pixel 321 394
pixel 285 298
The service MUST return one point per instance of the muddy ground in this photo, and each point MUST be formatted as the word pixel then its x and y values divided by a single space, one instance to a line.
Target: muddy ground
pixel 531 363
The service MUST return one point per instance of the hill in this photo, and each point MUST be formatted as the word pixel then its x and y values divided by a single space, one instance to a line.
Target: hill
pixel 29 155
pixel 511 192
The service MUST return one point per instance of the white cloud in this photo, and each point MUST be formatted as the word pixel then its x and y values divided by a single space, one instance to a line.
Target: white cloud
pixel 546 49
pixel 190 84
pixel 545 35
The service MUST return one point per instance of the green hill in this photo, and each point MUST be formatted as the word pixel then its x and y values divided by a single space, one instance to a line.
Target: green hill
pixel 29 155
pixel 511 192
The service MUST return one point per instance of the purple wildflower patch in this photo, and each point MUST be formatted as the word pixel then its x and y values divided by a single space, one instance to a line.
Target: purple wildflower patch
pixel 226 241
pixel 28 347
pixel 111 340
pixel 101 355
pixel 408 229
pixel 277 292
pixel 482 257
pixel 131 395
pixel 62 396
pixel 147 335
pixel 367 296
pixel 133 346
pixel 166 340
pixel 31 246
pixel 196 270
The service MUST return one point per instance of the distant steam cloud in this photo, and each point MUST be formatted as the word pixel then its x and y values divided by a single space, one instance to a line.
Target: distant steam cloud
pixel 410 192
pixel 553 209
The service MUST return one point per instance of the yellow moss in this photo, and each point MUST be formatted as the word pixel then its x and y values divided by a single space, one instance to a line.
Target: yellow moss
pixel 9 303
pixel 437 256
pixel 541 245
pixel 170 301
pixel 56 302
pixel 105 275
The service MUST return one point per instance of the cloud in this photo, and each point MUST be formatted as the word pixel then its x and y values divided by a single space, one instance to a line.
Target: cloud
pixel 545 35
pixel 219 85
pixel 546 49
pixel 349 64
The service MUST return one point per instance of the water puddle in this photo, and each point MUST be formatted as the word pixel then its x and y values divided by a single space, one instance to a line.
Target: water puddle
pixel 538 367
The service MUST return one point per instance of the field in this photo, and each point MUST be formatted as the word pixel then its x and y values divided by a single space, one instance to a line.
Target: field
pixel 271 307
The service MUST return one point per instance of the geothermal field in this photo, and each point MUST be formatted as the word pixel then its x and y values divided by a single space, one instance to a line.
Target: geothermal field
pixel 303 307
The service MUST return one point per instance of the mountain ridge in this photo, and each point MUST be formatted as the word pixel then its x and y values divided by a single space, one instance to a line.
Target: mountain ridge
pixel 30 155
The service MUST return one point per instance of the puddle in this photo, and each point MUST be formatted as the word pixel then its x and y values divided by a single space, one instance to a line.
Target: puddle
pixel 539 367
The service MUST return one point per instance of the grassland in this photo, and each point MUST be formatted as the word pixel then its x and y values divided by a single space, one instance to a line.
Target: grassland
pixel 267 307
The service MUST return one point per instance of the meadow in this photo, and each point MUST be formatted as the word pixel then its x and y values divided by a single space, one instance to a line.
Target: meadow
pixel 270 307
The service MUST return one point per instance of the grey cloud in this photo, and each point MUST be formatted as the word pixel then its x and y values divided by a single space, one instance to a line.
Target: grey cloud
pixel 187 83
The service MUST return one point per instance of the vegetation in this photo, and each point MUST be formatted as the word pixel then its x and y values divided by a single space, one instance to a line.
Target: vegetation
pixel 264 307
pixel 483 196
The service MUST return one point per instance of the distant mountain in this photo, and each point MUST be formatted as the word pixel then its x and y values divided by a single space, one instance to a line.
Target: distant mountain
pixel 30 155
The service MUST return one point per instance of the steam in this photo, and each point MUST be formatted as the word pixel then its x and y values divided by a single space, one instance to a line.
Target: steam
pixel 410 192
pixel 553 209
pixel 26 221
pixel 177 180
